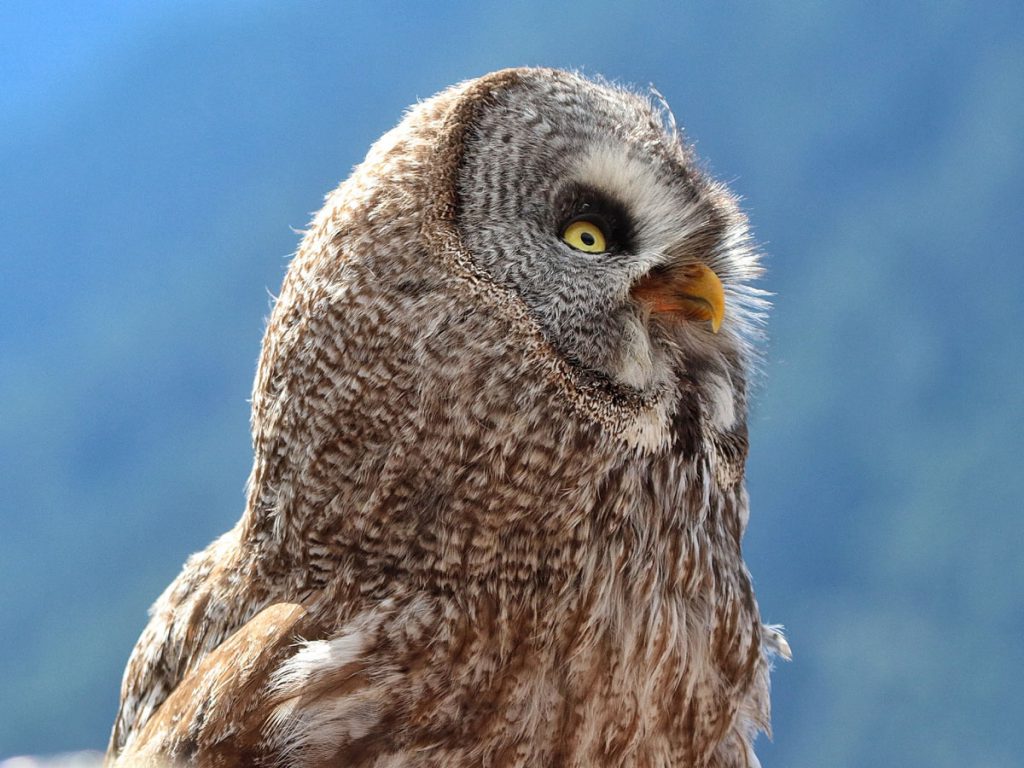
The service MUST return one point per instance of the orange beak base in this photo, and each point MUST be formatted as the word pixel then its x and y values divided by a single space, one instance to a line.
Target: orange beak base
pixel 693 292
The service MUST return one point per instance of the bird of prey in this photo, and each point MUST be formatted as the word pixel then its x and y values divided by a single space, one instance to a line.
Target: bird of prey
pixel 497 498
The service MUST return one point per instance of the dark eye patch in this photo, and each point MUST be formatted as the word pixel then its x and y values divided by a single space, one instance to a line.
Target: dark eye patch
pixel 578 202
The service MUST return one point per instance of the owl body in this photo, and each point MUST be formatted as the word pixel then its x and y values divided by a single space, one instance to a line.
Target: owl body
pixel 496 505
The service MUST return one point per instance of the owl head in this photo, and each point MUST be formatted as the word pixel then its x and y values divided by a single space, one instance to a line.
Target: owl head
pixel 582 201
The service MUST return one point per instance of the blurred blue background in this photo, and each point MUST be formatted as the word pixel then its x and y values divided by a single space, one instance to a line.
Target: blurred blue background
pixel 155 156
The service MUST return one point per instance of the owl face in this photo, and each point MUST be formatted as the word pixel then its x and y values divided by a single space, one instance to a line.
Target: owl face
pixel 577 197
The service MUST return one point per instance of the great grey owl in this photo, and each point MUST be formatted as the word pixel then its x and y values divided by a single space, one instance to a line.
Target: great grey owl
pixel 496 505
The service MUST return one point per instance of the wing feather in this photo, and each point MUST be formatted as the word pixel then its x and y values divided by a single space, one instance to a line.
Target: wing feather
pixel 214 716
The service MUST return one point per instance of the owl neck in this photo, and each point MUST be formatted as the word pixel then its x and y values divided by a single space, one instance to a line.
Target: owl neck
pixel 521 519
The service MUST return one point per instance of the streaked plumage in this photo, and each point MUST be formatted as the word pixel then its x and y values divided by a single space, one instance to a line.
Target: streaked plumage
pixel 496 506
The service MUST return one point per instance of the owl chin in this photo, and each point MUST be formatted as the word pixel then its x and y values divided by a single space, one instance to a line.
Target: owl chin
pixel 654 348
pixel 640 364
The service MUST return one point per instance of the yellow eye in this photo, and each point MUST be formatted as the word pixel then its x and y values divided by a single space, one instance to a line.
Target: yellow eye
pixel 585 236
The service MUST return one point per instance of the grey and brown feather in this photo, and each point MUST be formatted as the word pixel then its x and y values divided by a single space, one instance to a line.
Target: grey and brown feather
pixel 495 511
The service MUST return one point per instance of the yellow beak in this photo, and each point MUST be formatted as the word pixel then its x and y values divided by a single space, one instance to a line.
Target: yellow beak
pixel 693 291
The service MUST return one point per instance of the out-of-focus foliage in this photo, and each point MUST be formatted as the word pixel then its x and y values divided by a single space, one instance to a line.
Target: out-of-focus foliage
pixel 154 157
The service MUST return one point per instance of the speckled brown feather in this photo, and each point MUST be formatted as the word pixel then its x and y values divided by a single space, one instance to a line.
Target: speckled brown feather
pixel 459 548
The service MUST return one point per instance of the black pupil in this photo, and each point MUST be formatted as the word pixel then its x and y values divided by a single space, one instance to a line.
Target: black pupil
pixel 587 238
